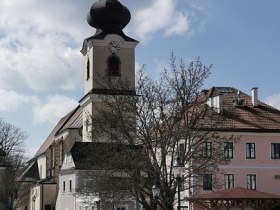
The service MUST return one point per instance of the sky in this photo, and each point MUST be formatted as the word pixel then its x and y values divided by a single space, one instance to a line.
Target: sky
pixel 41 67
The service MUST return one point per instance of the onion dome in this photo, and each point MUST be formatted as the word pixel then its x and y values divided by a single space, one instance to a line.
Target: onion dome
pixel 108 15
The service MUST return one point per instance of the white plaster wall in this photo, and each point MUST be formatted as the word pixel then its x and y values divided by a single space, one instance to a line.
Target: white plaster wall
pixel 35 198
pixel 87 113
pixel 42 166
pixel 68 162
pixel 66 199
pixel 97 55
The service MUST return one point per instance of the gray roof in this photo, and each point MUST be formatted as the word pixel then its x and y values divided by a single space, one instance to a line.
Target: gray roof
pixel 96 156
pixel 66 122
pixel 31 173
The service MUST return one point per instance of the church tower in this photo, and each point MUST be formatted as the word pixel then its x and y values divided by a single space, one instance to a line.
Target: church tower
pixel 109 55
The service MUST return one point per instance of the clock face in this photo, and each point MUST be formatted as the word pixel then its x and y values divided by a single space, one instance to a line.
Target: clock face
pixel 114 46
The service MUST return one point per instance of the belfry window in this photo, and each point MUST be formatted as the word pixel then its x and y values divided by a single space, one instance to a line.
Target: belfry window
pixel 88 69
pixel 113 66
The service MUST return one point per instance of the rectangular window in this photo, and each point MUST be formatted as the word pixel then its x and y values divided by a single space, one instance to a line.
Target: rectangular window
pixel 53 156
pixel 229 181
pixel 70 185
pixel 207 182
pixel 228 149
pixel 182 184
pixel 275 151
pixel 207 149
pixel 181 150
pixel 98 205
pixel 48 207
pixel 250 151
pixel 251 181
pixel 60 153
pixel 120 207
pixel 63 187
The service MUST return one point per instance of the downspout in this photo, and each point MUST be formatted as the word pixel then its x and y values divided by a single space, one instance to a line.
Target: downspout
pixel 74 189
pixel 42 197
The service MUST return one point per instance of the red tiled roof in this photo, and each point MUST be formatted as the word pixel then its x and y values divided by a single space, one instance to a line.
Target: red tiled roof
pixel 261 118
pixel 237 193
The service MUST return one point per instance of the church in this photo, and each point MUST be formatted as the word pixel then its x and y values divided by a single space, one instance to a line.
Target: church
pixel 53 171
pixel 71 149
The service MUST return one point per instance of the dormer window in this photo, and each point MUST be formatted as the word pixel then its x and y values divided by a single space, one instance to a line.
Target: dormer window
pixel 113 64
pixel 239 101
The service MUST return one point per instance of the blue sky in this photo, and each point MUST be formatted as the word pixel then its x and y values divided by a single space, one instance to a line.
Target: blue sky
pixel 41 66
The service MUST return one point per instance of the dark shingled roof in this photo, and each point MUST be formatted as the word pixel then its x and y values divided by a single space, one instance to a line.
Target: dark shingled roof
pixel 261 118
pixel 31 173
pixel 61 126
pixel 95 156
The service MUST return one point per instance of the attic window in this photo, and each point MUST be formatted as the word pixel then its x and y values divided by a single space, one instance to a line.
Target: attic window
pixel 238 102
pixel 113 64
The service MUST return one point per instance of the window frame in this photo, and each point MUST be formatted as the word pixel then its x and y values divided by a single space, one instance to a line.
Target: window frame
pixel 109 65
pixel 63 186
pixel 181 149
pixel 207 182
pixel 229 181
pixel 207 149
pixel 70 185
pixel 275 151
pixel 228 149
pixel 250 151
pixel 251 181
pixel 120 206
pixel 88 69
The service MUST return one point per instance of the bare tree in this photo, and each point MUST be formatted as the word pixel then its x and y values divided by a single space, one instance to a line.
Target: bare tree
pixel 12 143
pixel 168 117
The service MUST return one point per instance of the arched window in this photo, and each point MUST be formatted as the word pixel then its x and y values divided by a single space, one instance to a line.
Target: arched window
pixel 88 69
pixel 113 66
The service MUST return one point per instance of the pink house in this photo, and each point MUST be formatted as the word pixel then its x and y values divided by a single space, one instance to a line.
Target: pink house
pixel 255 158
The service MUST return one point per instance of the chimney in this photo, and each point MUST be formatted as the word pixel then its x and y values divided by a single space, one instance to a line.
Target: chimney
pixel 255 101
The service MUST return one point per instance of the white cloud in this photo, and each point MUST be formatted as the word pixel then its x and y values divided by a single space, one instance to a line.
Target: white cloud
pixel 274 101
pixel 156 16
pixel 11 100
pixel 39 45
pixel 45 110
pixel 52 109
pixel 180 26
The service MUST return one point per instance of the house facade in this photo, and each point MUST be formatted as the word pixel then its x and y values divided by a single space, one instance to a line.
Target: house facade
pixel 255 157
